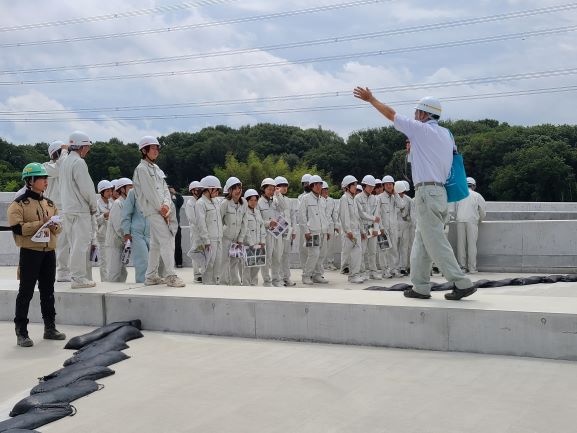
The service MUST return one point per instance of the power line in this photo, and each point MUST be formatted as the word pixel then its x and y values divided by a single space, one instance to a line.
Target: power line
pixel 116 15
pixel 196 26
pixel 310 96
pixel 415 48
pixel 309 43
pixel 494 95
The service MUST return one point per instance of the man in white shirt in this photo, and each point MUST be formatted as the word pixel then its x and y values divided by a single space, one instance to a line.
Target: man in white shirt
pixel 470 212
pixel 431 154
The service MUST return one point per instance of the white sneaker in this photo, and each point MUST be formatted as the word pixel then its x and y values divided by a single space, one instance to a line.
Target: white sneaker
pixel 289 283
pixel 357 279
pixel 153 281
pixel 174 281
pixel 82 283
pixel 375 276
pixel 278 283
pixel 387 274
pixel 267 284
pixel 320 279
pixel 307 280
pixel 64 279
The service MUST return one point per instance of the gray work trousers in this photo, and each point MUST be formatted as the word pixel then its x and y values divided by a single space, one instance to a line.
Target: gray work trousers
pixel 467 234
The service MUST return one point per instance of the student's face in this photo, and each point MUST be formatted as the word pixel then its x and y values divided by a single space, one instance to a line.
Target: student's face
pixel 390 187
pixel 213 192
pixel 369 189
pixel 316 187
pixel 252 201
pixel 107 193
pixel 283 189
pixel 378 189
pixel 269 191
pixel 352 188
pixel 236 192
pixel 325 192
pixel 40 184
pixel 153 151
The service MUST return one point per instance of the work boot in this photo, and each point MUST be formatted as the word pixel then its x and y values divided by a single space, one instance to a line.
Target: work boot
pixel 174 281
pixel 307 280
pixel 319 279
pixel 357 279
pixel 278 284
pixel 153 281
pixel 458 294
pixel 22 338
pixel 289 283
pixel 375 276
pixel 51 333
pixel 410 293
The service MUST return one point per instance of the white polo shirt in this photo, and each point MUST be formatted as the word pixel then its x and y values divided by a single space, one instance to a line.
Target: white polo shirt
pixel 431 153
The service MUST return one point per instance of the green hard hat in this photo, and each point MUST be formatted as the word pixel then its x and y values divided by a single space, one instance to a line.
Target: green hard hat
pixel 33 169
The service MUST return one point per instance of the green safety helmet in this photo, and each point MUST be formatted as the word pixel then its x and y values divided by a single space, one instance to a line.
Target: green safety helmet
pixel 33 169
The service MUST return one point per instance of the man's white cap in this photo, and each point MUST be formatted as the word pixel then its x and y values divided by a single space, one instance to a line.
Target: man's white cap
pixel 400 186
pixel 103 185
pixel 230 182
pixel 388 179
pixel 123 181
pixel 210 182
pixel 369 180
pixel 79 139
pixel 54 146
pixel 430 105
pixel 325 185
pixel 315 179
pixel 306 177
pixel 347 180
pixel 471 181
pixel 194 185
pixel 280 180
pixel 267 181
pixel 147 140
pixel 250 193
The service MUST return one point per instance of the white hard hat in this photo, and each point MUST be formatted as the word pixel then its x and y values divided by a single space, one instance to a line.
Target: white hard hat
pixel 400 186
pixel 347 180
pixel 103 185
pixel 471 181
pixel 279 180
pixel 325 185
pixel 305 178
pixel 147 140
pixel 267 181
pixel 250 193
pixel 194 184
pixel 428 104
pixel 388 179
pixel 210 182
pixel 78 139
pixel 123 181
pixel 407 186
pixel 315 179
pixel 359 188
pixel 54 146
pixel 369 180
pixel 231 181
pixel 378 181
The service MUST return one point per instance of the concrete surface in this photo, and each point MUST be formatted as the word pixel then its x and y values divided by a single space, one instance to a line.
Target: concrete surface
pixel 178 383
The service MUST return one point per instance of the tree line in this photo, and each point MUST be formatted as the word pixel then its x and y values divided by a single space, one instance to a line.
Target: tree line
pixel 511 163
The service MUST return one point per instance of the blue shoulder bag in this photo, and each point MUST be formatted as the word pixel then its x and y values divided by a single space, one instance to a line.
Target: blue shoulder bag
pixel 456 184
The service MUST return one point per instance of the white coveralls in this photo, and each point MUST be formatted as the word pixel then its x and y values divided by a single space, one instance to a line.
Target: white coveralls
pixel 271 272
pixel 79 209
pixel 102 223
pixel 193 229
pixel 470 212
pixel 334 225
pixel 350 223
pixel 255 234
pixel 234 225
pixel 368 208
pixel 389 206
pixel 314 222
pixel 151 194
pixel 135 225
pixel 289 213
pixel 114 243
pixel 209 223
pixel 405 217
pixel 303 251
pixel 53 193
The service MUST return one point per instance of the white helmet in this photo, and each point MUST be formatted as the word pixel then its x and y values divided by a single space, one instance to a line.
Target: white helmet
pixel 388 179
pixel 194 185
pixel 123 181
pixel 407 186
pixel 250 193
pixel 471 181
pixel 378 181
pixel 147 140
pixel 54 146
pixel 279 180
pixel 400 186
pixel 315 179
pixel 210 182
pixel 359 188
pixel 430 105
pixel 369 180
pixel 305 178
pixel 347 180
pixel 78 139
pixel 231 181
pixel 325 185
pixel 113 182
pixel 267 181
pixel 103 185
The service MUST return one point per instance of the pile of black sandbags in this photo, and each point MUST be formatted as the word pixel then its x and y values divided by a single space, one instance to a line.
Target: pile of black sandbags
pixel 50 399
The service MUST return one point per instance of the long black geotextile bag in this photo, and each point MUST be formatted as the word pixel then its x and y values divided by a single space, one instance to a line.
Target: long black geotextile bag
pixel 96 348
pixel 102 360
pixel 92 373
pixel 19 430
pixel 124 333
pixel 38 416
pixel 66 394
pixel 82 340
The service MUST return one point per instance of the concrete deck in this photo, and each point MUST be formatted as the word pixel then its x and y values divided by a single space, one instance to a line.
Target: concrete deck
pixel 181 383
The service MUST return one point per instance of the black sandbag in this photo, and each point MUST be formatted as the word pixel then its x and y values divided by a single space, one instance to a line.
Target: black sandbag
pixel 399 287
pixel 481 283
pixel 517 282
pixel 498 283
pixel 92 373
pixel 124 334
pixel 536 279
pixel 442 287
pixel 82 340
pixel 19 430
pixel 96 348
pixel 102 360
pixel 38 416
pixel 66 394
pixel 552 278
pixel 569 278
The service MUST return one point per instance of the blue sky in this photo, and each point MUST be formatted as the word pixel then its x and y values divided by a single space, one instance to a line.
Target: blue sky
pixel 408 65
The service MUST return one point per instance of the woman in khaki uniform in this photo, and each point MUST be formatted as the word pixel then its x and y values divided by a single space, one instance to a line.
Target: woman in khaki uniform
pixel 26 215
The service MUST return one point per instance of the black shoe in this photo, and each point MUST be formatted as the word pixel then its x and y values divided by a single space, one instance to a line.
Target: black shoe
pixel 24 341
pixel 458 294
pixel 410 293
pixel 53 334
